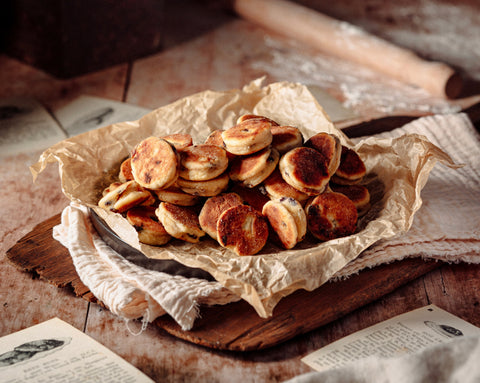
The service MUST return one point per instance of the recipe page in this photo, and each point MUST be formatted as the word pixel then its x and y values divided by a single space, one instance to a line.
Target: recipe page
pixel 54 351
pixel 403 334
pixel 25 126
pixel 88 112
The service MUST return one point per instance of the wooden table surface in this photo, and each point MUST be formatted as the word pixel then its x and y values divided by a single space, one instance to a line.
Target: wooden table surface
pixel 229 56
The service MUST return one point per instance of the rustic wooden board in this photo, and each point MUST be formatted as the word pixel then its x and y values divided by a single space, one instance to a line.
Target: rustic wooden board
pixel 39 253
pixel 235 326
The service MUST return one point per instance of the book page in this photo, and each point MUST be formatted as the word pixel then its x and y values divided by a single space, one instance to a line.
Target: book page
pixel 87 112
pixel 25 126
pixel 54 351
pixel 403 334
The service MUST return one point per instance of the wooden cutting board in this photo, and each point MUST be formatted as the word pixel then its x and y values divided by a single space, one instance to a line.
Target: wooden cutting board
pixel 235 326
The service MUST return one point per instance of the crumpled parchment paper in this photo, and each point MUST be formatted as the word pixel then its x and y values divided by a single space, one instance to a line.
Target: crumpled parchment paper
pixel 397 169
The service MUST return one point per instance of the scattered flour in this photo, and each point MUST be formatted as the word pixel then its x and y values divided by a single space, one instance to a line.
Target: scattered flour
pixel 435 29
pixel 438 30
pixel 361 88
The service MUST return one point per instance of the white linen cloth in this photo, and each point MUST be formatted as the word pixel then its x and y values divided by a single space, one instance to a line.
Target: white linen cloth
pixel 128 290
pixel 455 361
pixel 447 227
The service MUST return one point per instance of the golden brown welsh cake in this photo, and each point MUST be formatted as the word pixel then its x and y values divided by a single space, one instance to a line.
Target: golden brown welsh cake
pixel 351 170
pixel 125 173
pixel 331 215
pixel 177 196
pixel 246 117
pixel 179 140
pixel 215 138
pixel 213 208
pixel 358 194
pixel 242 229
pixel 276 187
pixel 285 138
pixel 125 196
pixel 329 146
pixel 150 230
pixel 207 188
pixel 252 170
pixel 180 222
pixel 110 187
pixel 248 137
pixel 287 219
pixel 305 169
pixel 202 162
pixel 155 163
pixel 254 197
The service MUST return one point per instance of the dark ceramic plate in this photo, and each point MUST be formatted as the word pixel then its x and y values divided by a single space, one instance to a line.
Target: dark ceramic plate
pixel 136 257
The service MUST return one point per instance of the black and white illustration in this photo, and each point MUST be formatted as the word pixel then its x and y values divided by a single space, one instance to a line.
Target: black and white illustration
pixel 32 350
pixel 87 113
pixel 443 329
pixel 25 125
pixel 55 351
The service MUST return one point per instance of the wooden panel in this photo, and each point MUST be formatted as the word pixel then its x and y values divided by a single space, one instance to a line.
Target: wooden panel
pixel 20 80
pixel 456 289
pixel 27 301
pixel 39 253
pixel 234 326
pixel 237 327
pixel 84 36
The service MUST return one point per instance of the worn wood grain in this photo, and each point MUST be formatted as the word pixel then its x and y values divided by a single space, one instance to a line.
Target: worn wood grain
pixel 456 289
pixel 39 253
pixel 223 59
pixel 240 328
pixel 235 326
pixel 169 359
pixel 25 301
pixel 21 80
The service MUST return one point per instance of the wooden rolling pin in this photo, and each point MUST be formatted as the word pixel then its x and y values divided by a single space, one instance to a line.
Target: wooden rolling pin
pixel 349 42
